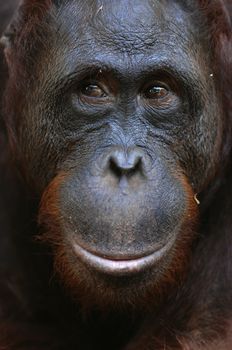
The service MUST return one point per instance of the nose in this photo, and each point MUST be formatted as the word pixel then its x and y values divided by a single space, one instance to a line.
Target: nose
pixel 125 163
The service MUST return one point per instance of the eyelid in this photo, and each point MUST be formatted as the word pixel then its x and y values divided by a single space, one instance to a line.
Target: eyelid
pixel 171 96
pixel 156 83
pixel 160 94
pixel 97 85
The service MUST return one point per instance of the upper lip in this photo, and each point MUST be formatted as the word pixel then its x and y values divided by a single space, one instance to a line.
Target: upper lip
pixel 120 266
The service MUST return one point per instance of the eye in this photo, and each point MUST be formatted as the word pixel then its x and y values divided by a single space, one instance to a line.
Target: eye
pixel 156 92
pixel 159 95
pixel 93 90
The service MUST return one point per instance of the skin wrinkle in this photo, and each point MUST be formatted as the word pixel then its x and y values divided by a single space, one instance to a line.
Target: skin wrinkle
pixel 127 67
pixel 148 32
pixel 79 46
pixel 76 138
pixel 50 213
pixel 121 31
pixel 123 60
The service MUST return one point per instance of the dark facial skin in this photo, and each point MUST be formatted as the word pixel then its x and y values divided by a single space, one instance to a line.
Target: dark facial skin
pixel 120 129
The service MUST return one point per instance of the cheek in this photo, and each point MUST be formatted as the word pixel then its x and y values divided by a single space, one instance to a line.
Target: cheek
pixel 99 217
pixel 93 286
pixel 86 210
pixel 201 149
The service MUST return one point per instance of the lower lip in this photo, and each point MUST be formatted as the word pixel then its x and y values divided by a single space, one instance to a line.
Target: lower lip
pixel 120 267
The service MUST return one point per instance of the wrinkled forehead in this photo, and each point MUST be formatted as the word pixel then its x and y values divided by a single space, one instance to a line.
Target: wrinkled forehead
pixel 124 25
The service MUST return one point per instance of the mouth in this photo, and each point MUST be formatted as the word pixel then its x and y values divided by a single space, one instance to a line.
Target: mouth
pixel 120 266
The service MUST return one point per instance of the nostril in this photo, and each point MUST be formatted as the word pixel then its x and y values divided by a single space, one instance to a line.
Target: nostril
pixel 114 168
pixel 122 164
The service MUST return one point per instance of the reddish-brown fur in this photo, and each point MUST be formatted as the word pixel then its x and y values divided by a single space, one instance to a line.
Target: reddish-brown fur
pixel 50 217
pixel 210 320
